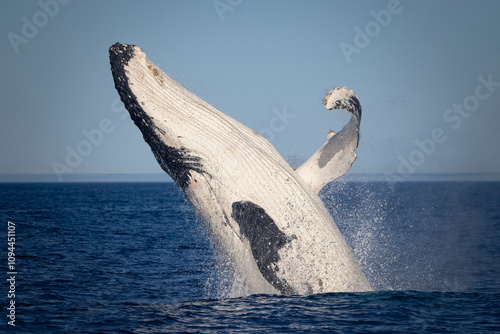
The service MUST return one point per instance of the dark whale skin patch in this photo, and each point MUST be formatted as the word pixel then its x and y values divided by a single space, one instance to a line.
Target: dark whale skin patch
pixel 265 238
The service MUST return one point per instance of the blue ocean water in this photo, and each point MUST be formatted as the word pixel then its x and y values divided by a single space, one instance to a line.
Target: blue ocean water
pixel 133 258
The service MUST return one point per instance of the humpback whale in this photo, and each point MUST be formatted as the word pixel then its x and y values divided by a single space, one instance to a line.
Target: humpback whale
pixel 266 218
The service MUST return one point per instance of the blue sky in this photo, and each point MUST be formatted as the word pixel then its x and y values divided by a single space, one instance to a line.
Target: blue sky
pixel 427 74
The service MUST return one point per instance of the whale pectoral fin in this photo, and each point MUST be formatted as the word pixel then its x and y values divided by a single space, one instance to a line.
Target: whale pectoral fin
pixel 337 154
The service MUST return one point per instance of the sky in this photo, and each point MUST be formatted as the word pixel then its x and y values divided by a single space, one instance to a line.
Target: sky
pixel 427 74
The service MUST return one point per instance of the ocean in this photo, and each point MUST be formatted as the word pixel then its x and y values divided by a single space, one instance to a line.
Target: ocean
pixel 133 258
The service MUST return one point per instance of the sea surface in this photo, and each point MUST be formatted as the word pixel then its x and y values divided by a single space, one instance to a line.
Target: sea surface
pixel 133 258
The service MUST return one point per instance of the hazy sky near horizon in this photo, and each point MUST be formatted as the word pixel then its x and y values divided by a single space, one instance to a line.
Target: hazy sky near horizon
pixel 427 75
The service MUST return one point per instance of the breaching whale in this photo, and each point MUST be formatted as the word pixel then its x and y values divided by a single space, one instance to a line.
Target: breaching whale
pixel 265 217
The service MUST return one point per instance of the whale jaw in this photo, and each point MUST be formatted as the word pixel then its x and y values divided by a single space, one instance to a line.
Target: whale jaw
pixel 176 161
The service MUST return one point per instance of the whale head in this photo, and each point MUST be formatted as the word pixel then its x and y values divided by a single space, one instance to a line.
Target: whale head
pixel 187 136
pixel 166 126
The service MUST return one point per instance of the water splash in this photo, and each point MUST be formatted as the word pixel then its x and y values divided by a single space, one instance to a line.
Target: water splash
pixel 423 236
pixel 360 212
pixel 406 236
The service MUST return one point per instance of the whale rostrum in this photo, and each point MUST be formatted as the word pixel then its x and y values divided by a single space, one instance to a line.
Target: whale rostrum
pixel 265 218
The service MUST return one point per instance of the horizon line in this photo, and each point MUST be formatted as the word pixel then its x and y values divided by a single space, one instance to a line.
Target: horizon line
pixel 164 177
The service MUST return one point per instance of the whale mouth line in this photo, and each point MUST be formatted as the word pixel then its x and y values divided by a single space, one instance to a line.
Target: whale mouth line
pixel 177 162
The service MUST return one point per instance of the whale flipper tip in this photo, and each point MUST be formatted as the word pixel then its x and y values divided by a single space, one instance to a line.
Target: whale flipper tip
pixel 337 154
